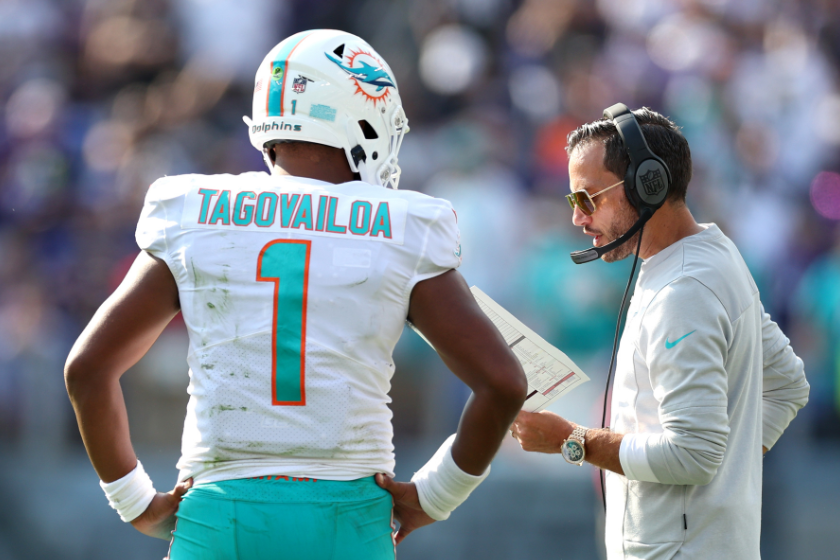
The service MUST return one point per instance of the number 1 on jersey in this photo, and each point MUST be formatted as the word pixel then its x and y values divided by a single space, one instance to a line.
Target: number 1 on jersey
pixel 286 263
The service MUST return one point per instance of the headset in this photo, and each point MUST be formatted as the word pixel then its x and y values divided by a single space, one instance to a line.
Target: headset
pixel 646 184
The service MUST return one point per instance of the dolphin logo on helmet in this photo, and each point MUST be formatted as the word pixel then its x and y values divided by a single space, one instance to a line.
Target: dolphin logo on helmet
pixel 362 115
pixel 367 74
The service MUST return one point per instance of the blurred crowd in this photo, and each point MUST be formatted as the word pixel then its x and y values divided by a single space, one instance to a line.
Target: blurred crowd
pixel 102 97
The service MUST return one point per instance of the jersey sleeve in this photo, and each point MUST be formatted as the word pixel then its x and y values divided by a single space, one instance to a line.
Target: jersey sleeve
pixel 159 215
pixel 152 225
pixel 685 339
pixel 440 245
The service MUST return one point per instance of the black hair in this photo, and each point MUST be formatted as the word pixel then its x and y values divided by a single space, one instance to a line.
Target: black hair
pixel 662 135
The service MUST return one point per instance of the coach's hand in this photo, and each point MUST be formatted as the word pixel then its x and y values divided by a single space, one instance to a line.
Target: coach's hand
pixel 543 432
pixel 407 509
pixel 159 518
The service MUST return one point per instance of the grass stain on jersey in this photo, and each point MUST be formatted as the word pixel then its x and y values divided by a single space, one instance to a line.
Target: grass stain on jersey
pixel 294 451
pixel 221 408
pixel 214 461
pixel 224 304
pixel 197 277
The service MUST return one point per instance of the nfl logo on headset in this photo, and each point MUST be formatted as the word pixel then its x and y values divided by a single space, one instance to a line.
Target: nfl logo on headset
pixel 652 182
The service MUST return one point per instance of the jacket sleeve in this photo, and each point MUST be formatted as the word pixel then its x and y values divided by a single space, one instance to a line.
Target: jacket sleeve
pixel 684 339
pixel 785 389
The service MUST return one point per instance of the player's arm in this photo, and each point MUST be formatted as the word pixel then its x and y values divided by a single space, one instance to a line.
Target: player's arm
pixel 120 333
pixel 445 311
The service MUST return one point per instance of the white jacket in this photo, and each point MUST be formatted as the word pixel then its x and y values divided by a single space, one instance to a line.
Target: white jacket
pixel 704 379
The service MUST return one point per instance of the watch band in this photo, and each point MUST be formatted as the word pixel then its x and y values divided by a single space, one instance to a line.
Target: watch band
pixel 579 434
pixel 570 454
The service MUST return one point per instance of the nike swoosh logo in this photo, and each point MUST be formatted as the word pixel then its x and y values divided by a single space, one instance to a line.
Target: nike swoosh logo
pixel 669 344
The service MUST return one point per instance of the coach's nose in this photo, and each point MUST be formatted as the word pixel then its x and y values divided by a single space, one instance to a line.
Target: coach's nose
pixel 579 218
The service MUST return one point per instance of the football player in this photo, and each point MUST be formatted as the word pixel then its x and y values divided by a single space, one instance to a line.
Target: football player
pixel 294 287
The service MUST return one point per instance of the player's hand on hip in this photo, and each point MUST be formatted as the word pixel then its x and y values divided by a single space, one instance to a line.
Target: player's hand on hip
pixel 407 509
pixel 542 432
pixel 159 518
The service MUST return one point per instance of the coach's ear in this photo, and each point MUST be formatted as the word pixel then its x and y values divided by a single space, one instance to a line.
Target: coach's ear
pixel 407 509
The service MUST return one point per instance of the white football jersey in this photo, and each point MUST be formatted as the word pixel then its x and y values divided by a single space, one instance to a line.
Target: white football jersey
pixel 294 292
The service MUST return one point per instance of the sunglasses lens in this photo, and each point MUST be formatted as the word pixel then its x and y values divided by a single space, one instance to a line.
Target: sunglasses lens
pixel 582 201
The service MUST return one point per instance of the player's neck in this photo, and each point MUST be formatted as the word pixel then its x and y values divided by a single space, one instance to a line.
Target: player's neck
pixel 668 225
pixel 325 174
pixel 313 162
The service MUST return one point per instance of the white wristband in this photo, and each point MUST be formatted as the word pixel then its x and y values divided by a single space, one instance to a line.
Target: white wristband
pixel 131 494
pixel 441 484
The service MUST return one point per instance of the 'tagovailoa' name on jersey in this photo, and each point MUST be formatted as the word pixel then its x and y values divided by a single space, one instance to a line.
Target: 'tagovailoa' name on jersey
pixel 315 212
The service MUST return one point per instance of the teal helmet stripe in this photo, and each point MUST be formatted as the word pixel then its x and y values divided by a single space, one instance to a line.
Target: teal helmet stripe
pixel 277 79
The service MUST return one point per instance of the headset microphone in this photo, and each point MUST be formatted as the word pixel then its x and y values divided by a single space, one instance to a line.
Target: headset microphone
pixel 588 255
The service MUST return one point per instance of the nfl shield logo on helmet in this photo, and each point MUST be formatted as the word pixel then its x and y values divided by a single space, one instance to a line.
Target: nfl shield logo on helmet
pixel 299 84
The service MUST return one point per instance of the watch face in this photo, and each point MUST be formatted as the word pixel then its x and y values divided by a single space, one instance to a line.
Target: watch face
pixel 573 451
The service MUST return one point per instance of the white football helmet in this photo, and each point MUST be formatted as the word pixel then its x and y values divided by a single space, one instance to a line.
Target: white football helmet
pixel 330 87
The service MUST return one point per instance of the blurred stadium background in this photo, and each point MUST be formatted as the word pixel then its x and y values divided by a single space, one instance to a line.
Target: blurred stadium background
pixel 101 97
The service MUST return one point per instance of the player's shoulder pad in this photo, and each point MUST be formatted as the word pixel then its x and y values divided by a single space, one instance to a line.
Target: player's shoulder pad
pixel 421 207
pixel 174 186
pixel 439 218
pixel 170 187
pixel 429 208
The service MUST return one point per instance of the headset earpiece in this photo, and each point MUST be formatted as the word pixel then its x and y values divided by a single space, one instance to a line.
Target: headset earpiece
pixel 648 179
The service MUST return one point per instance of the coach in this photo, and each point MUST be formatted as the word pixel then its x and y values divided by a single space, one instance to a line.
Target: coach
pixel 704 380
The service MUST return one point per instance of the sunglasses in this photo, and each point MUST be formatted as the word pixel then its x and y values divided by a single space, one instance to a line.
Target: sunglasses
pixel 583 199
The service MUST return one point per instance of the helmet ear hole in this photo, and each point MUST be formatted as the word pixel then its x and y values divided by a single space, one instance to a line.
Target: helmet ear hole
pixel 367 130
pixel 358 154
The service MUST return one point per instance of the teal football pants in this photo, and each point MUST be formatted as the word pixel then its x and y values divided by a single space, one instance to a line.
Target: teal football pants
pixel 274 518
